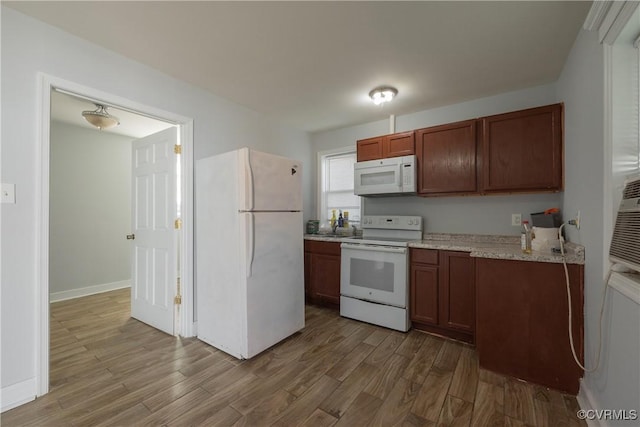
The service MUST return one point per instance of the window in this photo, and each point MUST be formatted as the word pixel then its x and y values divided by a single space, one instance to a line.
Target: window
pixel 335 187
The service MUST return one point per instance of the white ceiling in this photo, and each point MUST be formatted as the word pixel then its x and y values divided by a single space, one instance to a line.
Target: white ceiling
pixel 312 64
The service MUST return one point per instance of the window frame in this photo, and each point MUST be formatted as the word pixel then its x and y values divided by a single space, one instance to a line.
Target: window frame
pixel 320 178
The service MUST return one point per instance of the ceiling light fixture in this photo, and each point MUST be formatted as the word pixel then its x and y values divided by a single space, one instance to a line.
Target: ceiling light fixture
pixel 100 118
pixel 383 94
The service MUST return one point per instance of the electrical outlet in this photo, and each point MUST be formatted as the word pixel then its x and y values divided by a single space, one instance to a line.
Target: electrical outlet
pixel 516 219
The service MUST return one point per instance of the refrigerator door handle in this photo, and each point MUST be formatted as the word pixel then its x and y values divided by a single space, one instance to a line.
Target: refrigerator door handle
pixel 250 242
pixel 248 182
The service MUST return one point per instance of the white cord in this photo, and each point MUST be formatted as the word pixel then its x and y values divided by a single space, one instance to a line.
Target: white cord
pixel 604 295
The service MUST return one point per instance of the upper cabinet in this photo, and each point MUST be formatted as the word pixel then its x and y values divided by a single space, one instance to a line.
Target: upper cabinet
pixel 516 152
pixel 522 151
pixel 380 147
pixel 447 159
pixel 369 149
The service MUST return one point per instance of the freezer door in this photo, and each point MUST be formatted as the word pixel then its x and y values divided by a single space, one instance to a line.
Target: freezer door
pixel 275 277
pixel 270 182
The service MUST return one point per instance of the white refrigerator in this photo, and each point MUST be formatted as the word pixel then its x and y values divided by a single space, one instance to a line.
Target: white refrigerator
pixel 249 251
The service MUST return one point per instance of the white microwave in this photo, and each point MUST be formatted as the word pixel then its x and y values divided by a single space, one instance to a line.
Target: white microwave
pixel 392 176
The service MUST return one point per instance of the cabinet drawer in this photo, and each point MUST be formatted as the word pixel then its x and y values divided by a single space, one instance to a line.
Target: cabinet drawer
pixel 319 247
pixel 424 256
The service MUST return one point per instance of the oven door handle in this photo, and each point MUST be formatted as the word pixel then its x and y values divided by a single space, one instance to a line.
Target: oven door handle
pixel 359 247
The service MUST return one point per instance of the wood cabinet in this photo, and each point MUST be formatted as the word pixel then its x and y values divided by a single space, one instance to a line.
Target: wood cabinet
pixel 381 147
pixel 322 272
pixel 369 149
pixel 522 321
pixel 447 159
pixel 442 293
pixel 522 151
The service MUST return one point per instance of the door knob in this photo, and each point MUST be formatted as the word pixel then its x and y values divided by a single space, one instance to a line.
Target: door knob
pixel 131 236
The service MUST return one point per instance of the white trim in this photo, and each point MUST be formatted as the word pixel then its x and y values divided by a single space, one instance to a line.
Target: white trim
pixel 586 401
pixel 45 84
pixel 607 154
pixel 319 156
pixel 627 284
pixel 617 25
pixel 18 394
pixel 187 321
pixel 42 237
pixel 88 290
pixel 609 18
pixel 596 15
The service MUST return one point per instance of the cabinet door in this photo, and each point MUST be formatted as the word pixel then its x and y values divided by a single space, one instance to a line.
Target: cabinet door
pixel 398 144
pixel 325 278
pixel 307 276
pixel 522 321
pixel 522 151
pixel 457 291
pixel 423 307
pixel 447 158
pixel 369 149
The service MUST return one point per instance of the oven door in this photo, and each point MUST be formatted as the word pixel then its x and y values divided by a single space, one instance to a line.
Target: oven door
pixel 374 273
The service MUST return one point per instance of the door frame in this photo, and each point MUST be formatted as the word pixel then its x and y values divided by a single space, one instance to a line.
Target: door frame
pixel 47 83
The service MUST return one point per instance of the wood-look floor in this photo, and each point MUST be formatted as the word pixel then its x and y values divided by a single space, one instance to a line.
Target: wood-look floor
pixel 110 370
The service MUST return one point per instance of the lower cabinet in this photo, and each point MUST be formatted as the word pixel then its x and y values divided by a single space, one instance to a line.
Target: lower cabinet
pixel 442 293
pixel 322 272
pixel 522 321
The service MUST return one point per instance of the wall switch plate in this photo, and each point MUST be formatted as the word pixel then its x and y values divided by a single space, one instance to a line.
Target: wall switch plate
pixel 516 219
pixel 8 193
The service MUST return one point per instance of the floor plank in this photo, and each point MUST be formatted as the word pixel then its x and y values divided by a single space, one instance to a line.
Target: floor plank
pixel 108 369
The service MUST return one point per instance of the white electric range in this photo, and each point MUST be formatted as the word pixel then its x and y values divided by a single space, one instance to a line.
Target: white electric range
pixel 374 275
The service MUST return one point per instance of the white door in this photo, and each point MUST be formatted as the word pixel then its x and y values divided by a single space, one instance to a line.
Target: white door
pixel 153 193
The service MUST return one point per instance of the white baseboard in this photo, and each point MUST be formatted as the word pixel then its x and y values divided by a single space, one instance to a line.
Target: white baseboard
pixel 17 394
pixel 89 290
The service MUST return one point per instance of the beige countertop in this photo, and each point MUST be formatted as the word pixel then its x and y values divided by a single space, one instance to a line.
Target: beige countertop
pixel 482 246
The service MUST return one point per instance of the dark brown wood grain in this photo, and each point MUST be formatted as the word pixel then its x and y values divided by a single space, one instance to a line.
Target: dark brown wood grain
pixel 523 150
pixel 322 272
pixel 522 321
pixel 447 159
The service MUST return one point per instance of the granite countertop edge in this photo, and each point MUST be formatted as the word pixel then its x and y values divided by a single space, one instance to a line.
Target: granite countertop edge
pixel 496 247
pixel 481 246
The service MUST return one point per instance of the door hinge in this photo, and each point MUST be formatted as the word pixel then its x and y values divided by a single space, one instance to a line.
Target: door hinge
pixel 177 300
pixel 177 149
pixel 177 224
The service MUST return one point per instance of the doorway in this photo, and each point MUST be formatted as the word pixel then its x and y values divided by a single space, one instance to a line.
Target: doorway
pixel 50 89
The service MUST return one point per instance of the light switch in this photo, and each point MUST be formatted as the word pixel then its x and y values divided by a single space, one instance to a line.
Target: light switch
pixel 8 193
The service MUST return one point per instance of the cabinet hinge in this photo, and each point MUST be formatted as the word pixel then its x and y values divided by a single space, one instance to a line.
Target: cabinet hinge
pixel 177 224
pixel 177 149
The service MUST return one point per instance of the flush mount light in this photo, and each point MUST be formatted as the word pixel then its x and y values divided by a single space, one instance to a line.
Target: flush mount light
pixel 383 94
pixel 100 118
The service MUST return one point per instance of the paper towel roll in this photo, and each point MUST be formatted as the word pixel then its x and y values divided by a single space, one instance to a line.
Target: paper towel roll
pixel 542 233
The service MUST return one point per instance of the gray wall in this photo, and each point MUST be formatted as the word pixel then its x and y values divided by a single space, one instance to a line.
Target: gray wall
pixel 90 208
pixel 471 214
pixel 30 47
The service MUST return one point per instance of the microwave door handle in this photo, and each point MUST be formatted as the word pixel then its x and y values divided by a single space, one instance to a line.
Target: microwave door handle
pixel 399 176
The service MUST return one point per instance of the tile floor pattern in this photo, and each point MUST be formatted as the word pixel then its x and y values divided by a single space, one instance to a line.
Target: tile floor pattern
pixel 108 369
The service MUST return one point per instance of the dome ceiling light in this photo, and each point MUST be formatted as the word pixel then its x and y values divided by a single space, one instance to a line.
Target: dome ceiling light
pixel 100 118
pixel 383 94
